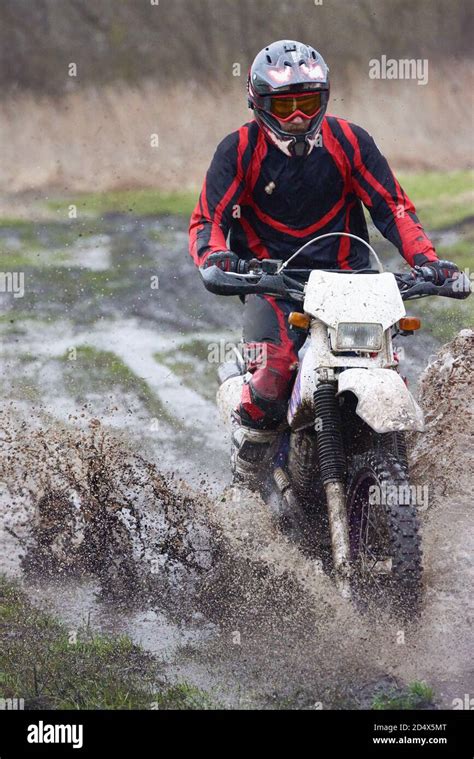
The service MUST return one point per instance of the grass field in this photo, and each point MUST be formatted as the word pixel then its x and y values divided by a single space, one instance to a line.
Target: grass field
pixel 137 202
pixel 444 203
pixel 442 199
pixel 51 667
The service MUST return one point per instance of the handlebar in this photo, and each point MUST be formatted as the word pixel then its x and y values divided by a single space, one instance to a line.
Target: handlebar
pixel 420 285
pixel 266 277
pixel 264 280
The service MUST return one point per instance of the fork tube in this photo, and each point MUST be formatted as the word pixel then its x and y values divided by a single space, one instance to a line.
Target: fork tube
pixel 332 465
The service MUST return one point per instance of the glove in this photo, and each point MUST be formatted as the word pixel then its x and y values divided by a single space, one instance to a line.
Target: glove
pixel 227 261
pixel 438 271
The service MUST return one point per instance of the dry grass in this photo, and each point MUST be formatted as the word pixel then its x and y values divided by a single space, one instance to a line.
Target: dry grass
pixel 100 139
pixel 417 126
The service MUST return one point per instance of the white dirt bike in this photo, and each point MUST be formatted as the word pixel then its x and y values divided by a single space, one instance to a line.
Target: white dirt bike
pixel 339 467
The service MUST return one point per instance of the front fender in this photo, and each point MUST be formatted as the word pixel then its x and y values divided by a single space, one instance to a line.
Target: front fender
pixel 384 401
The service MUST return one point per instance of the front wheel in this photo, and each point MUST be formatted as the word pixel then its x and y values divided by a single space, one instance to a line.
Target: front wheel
pixel 385 545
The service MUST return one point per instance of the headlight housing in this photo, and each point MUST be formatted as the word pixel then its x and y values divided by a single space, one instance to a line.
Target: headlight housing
pixel 356 336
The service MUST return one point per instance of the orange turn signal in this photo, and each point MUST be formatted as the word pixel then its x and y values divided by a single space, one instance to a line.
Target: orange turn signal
pixel 300 321
pixel 409 323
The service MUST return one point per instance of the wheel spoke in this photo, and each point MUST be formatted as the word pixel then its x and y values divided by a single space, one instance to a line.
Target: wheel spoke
pixel 372 542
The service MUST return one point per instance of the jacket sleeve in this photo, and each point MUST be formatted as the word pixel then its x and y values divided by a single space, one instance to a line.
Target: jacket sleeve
pixel 391 210
pixel 222 190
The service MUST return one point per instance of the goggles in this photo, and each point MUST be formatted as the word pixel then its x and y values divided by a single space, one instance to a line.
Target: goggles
pixel 285 107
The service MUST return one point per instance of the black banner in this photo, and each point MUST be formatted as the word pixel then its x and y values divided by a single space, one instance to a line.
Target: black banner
pixel 150 733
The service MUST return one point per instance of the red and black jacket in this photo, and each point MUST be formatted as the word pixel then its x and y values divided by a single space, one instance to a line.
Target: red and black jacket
pixel 270 204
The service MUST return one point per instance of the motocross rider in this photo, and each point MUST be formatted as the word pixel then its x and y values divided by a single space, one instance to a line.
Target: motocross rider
pixel 291 173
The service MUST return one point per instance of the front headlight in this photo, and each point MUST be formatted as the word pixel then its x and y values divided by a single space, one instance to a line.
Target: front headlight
pixel 354 336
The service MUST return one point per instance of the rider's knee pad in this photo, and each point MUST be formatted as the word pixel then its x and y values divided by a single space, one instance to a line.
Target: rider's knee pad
pixel 261 412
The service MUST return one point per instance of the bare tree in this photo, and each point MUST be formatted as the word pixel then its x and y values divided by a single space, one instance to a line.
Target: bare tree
pixel 200 39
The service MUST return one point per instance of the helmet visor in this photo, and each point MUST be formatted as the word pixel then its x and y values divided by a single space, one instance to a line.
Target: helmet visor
pixel 283 107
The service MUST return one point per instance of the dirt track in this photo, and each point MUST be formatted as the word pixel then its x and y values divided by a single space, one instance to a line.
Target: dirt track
pixel 262 619
pixel 88 450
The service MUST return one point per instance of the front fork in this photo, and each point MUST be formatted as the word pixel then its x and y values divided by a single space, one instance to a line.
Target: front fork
pixel 332 466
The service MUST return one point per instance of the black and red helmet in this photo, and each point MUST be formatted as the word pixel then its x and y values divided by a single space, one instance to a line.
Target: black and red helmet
pixel 288 78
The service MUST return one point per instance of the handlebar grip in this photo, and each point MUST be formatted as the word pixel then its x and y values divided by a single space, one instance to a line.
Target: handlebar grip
pixel 459 288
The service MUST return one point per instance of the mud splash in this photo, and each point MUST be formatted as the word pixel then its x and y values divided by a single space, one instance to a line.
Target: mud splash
pixel 442 458
pixel 80 502
pixel 282 631
pixel 83 506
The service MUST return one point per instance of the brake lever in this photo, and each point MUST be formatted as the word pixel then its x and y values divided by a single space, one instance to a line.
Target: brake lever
pixel 407 280
pixel 420 289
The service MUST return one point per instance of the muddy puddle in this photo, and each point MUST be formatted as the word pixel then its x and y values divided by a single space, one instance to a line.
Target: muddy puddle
pixel 108 425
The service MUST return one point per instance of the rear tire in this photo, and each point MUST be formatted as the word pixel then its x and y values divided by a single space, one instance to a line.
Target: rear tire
pixel 385 543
